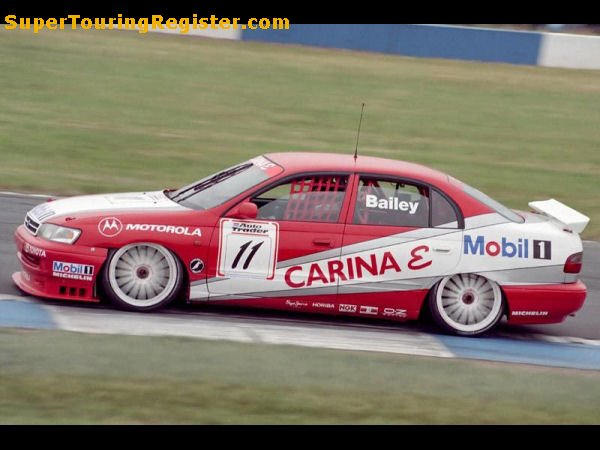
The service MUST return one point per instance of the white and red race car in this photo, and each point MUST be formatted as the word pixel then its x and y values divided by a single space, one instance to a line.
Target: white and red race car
pixel 319 233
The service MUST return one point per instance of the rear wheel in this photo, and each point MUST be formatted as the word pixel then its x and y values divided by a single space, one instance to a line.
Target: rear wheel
pixel 466 304
pixel 142 277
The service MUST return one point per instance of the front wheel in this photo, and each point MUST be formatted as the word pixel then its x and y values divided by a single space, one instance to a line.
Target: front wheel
pixel 466 304
pixel 142 277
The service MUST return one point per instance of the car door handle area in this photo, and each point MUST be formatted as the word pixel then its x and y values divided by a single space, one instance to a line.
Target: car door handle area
pixel 442 250
pixel 323 242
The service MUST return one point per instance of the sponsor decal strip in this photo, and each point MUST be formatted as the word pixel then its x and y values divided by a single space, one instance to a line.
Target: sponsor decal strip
pixel 196 265
pixel 199 289
pixel 296 304
pixel 505 248
pixel 72 271
pixel 347 308
pixel 357 267
pixel 181 230
pixel 322 305
pixel 369 310
pixel 247 249
pixel 35 251
pixel 111 227
pixel 529 313
pixel 394 312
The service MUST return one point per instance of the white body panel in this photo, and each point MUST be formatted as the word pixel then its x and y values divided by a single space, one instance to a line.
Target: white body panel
pixel 533 252
pixel 103 202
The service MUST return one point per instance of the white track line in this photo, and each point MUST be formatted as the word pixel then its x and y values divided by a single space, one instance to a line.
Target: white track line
pixel 203 326
pixel 307 335
pixel 21 194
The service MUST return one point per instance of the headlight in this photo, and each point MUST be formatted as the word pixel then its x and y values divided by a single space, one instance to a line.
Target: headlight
pixel 58 234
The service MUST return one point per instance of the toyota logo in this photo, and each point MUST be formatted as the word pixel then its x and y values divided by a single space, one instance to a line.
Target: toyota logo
pixel 110 226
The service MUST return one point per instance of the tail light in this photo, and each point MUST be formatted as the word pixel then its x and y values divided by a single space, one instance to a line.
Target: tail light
pixel 573 263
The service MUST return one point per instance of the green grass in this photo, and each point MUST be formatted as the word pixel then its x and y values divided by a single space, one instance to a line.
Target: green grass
pixel 61 377
pixel 97 111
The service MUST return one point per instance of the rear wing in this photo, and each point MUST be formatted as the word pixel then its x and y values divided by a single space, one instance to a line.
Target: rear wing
pixel 554 209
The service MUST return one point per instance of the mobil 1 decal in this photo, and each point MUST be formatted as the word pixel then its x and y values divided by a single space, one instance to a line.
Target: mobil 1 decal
pixel 248 248
pixel 542 249
pixel 520 248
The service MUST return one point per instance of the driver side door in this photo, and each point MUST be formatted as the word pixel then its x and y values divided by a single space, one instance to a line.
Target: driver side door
pixel 283 258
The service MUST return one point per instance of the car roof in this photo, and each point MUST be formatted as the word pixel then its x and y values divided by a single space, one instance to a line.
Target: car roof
pixel 325 162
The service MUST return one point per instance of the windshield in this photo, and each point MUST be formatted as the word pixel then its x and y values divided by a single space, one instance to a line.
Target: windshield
pixel 222 186
pixel 493 204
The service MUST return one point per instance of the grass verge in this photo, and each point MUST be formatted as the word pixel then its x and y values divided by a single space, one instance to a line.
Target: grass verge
pixel 55 377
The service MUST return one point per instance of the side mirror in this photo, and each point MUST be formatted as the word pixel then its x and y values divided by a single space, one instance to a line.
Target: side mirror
pixel 245 210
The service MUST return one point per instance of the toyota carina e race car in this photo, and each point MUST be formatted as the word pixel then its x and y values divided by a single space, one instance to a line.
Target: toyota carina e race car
pixel 319 233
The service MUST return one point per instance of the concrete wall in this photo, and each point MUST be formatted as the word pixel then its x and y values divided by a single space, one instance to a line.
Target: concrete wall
pixel 443 41
pixel 434 41
pixel 570 51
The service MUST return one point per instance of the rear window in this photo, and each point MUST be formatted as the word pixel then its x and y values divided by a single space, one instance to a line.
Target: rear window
pixel 493 204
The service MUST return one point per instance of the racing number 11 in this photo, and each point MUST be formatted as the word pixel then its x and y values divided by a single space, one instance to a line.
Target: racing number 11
pixel 247 249
pixel 250 256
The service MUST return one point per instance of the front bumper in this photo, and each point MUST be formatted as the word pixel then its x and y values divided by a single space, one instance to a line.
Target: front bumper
pixel 55 270
pixel 549 303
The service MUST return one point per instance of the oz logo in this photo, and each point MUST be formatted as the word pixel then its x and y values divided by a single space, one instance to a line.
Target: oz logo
pixel 110 226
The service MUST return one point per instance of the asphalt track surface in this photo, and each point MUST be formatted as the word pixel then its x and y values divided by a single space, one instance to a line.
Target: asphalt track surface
pixel 585 325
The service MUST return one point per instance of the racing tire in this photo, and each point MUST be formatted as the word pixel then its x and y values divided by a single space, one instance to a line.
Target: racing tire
pixel 142 277
pixel 466 304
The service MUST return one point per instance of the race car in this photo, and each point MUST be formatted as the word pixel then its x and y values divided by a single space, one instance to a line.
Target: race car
pixel 318 233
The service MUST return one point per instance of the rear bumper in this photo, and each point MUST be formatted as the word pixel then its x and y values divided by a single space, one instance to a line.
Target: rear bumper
pixel 58 271
pixel 545 303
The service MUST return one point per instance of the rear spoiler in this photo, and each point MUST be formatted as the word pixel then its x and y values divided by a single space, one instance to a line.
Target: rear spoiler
pixel 574 220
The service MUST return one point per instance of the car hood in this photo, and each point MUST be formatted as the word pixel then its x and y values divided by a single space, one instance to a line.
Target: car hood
pixel 104 203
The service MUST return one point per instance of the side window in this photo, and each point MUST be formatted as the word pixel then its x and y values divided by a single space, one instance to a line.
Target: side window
pixel 312 198
pixel 443 214
pixel 393 203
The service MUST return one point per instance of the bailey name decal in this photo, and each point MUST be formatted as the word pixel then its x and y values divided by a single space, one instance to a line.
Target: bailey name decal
pixel 392 203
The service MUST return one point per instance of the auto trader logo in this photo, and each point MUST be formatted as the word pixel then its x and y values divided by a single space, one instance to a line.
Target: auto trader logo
pixel 110 226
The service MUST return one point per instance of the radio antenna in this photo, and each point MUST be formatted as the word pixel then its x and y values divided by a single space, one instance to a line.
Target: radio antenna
pixel 358 133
